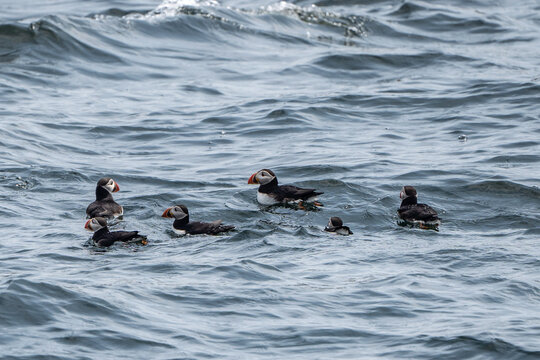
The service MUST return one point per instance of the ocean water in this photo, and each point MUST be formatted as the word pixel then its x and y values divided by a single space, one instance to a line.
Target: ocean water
pixel 180 101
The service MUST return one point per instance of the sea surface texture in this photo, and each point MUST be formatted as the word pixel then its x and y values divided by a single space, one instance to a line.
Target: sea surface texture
pixel 180 101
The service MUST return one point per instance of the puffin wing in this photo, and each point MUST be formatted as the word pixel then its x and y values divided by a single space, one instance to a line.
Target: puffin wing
pixel 224 228
pixel 124 235
pixel 296 193
pixel 103 209
pixel 421 212
pixel 197 227
pixel 429 212
pixel 115 236
pixel 96 210
pixel 106 240
pixel 210 228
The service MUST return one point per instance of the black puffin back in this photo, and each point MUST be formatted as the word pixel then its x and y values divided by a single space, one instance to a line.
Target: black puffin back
pixel 421 212
pixel 297 193
pixel 197 227
pixel 410 210
pixel 103 237
pixel 212 228
pixel 287 191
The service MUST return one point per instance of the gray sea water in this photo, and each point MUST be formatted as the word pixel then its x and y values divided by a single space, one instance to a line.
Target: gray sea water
pixel 180 101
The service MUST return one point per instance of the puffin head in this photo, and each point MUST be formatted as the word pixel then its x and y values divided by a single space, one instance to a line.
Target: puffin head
pixel 108 184
pixel 178 212
pixel 407 191
pixel 262 177
pixel 335 222
pixel 95 224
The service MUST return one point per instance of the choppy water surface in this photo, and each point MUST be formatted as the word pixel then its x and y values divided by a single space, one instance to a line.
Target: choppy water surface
pixel 181 101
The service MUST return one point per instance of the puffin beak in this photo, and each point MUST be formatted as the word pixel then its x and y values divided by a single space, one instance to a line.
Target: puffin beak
pixel 252 179
pixel 87 225
pixel 167 213
pixel 116 187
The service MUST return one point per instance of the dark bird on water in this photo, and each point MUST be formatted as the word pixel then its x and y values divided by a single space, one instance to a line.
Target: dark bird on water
pixel 270 193
pixel 335 225
pixel 104 237
pixel 105 206
pixel 183 226
pixel 412 212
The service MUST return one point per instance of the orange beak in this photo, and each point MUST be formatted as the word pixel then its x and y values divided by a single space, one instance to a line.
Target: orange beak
pixel 167 213
pixel 86 226
pixel 116 187
pixel 252 179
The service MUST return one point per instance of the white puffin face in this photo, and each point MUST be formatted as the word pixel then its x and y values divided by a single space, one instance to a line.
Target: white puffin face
pixel 264 177
pixel 110 186
pixel 177 212
pixel 93 225
pixel 402 194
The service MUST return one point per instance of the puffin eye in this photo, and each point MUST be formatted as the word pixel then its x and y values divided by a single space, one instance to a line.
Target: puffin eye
pixel 110 182
pixel 264 174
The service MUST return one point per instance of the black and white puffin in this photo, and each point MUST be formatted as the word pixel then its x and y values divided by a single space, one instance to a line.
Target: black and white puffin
pixel 414 213
pixel 270 193
pixel 105 206
pixel 182 226
pixel 335 225
pixel 103 237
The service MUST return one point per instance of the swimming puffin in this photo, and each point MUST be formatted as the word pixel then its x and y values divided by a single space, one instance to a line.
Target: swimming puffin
pixel 270 193
pixel 410 211
pixel 182 226
pixel 105 206
pixel 335 225
pixel 103 237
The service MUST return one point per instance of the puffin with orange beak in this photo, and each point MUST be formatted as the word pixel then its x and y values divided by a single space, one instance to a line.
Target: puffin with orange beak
pixel 103 237
pixel 182 226
pixel 105 206
pixel 270 193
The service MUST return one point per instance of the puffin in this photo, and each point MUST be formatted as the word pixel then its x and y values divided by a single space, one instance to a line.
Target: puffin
pixel 103 237
pixel 182 226
pixel 270 193
pixel 335 225
pixel 412 212
pixel 105 206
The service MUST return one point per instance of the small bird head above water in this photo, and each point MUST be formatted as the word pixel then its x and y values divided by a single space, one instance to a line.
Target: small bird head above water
pixel 95 224
pixel 335 222
pixel 108 184
pixel 407 191
pixel 262 177
pixel 335 225
pixel 178 212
